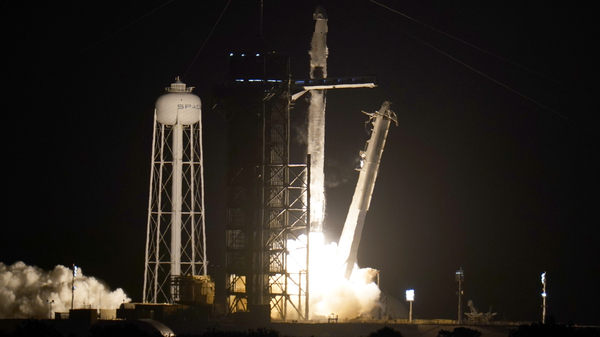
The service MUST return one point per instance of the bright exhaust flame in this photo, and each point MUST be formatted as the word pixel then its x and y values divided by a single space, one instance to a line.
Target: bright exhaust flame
pixel 30 292
pixel 330 292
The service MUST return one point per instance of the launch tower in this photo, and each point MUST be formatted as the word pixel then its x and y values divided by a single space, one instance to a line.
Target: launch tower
pixel 267 195
pixel 175 242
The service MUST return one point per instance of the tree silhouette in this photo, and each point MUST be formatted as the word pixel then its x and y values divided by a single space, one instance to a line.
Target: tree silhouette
pixel 385 332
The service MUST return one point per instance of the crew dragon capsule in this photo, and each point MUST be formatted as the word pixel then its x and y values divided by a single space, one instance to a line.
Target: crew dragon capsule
pixel 318 51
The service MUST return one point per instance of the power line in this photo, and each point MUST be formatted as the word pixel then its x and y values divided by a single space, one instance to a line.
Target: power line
pixel 208 37
pixel 111 34
pixel 470 44
pixel 472 68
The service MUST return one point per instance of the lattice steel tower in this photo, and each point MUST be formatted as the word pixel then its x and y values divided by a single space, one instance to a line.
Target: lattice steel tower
pixel 176 241
pixel 267 203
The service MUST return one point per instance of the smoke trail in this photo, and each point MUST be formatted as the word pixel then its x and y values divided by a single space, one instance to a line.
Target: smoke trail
pixel 30 292
pixel 338 177
pixel 301 134
pixel 316 121
pixel 316 148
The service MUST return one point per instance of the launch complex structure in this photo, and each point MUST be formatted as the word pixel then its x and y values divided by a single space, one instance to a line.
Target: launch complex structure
pixel 272 204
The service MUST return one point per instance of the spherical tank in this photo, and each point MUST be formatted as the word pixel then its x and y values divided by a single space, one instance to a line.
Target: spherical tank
pixel 178 104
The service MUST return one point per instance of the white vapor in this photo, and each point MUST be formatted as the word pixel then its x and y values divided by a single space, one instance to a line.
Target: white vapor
pixel 330 291
pixel 316 148
pixel 30 292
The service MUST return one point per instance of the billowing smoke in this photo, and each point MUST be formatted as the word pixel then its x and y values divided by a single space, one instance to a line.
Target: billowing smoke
pixel 336 176
pixel 301 134
pixel 348 298
pixel 30 292
pixel 330 291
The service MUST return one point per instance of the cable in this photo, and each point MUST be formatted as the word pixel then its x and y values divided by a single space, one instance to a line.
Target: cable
pixel 112 34
pixel 478 48
pixel 208 37
pixel 475 70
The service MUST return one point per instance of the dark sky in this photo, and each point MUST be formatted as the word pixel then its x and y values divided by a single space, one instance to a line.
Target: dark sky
pixel 475 175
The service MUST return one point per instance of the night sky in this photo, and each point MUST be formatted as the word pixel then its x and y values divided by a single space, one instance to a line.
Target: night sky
pixel 475 176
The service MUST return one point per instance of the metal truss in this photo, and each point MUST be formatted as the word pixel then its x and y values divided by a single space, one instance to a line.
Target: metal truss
pixel 284 218
pixel 158 278
pixel 258 259
pixel 267 197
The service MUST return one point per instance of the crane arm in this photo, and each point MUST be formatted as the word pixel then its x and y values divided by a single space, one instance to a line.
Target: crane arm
pixel 370 159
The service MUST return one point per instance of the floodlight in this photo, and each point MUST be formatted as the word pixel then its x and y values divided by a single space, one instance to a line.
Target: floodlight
pixel 544 298
pixel 410 297
pixel 544 278
pixel 460 275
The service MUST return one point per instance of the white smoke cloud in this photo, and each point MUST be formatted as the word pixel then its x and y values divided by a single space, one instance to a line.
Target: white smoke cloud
pixel 301 134
pixel 330 291
pixel 316 148
pixel 30 292
pixel 334 294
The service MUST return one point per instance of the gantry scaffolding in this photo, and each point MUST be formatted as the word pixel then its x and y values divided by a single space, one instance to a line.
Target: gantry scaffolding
pixel 267 196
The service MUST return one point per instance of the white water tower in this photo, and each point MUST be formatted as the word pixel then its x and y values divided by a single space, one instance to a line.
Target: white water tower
pixel 175 239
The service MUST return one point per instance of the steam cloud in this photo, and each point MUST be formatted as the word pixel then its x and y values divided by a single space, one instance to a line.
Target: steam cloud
pixel 331 292
pixel 316 148
pixel 30 292
pixel 301 134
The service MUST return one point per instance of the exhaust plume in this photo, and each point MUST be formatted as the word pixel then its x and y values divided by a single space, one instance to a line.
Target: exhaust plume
pixel 330 291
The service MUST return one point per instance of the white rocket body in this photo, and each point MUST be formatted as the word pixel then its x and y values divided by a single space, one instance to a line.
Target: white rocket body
pixel 316 122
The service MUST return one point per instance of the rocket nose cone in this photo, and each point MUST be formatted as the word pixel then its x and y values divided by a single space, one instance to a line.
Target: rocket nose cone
pixel 320 13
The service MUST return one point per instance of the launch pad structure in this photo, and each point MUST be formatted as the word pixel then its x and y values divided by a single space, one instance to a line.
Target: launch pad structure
pixel 271 209
pixel 268 198
pixel 267 195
